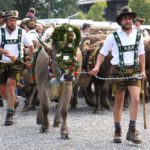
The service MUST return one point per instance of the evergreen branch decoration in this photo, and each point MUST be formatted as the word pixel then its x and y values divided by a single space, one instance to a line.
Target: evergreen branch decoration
pixel 66 40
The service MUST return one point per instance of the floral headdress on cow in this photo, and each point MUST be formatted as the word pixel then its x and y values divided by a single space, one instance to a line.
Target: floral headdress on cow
pixel 65 40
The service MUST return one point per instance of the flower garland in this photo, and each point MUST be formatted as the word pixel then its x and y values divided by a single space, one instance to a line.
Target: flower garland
pixel 65 40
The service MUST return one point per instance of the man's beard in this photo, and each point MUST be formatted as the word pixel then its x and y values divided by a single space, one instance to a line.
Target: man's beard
pixel 11 28
pixel 126 27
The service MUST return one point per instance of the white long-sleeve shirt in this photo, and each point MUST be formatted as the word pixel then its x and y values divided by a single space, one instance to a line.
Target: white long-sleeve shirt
pixel 110 44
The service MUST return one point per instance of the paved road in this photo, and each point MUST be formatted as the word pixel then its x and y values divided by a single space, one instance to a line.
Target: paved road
pixel 87 131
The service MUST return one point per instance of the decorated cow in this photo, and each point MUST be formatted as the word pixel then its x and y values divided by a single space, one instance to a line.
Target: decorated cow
pixel 55 71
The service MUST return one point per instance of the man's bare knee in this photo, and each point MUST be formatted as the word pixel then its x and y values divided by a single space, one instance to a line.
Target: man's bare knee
pixel 11 84
pixel 3 89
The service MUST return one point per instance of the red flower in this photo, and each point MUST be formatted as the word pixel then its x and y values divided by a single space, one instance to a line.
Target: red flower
pixel 76 73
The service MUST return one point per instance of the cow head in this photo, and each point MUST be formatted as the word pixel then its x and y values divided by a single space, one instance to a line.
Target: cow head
pixel 65 43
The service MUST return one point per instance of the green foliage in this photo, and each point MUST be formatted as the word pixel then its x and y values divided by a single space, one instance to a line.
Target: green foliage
pixel 81 15
pixel 57 8
pixel 96 11
pixel 142 8
pixel 6 5
pixel 64 8
pixel 66 39
pixel 23 6
pixel 61 40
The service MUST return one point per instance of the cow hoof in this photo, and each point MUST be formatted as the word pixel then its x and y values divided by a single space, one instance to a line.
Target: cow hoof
pixel 38 121
pixel 96 111
pixel 56 124
pixel 26 109
pixel 44 130
pixel 65 136
pixel 73 106
pixel 33 107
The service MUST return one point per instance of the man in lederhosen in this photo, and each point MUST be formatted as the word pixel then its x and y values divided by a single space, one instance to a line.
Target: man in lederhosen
pixel 126 45
pixel 11 40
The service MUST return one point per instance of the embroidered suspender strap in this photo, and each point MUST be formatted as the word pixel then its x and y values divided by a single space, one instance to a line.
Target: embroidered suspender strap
pixel 19 42
pixel 120 47
pixel 13 41
pixel 3 40
pixel 128 48
pixel 138 37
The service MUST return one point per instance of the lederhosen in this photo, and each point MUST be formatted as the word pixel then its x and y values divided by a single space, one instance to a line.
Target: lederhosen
pixel 126 71
pixel 10 70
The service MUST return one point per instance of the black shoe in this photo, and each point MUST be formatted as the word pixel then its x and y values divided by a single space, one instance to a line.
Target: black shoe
pixel 133 136
pixel 9 117
pixel 1 102
pixel 117 136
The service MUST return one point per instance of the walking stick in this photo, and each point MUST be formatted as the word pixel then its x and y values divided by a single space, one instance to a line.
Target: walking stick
pixel 144 108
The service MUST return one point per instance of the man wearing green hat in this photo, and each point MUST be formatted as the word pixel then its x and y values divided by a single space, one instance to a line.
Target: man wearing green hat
pixel 12 38
pixel 127 48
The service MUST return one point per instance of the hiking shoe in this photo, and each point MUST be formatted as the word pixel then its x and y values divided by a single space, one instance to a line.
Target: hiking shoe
pixel 133 136
pixel 9 117
pixel 117 136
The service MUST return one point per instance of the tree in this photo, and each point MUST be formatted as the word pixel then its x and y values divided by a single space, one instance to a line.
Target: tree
pixel 96 11
pixel 81 15
pixel 56 8
pixel 6 5
pixel 142 8
pixel 64 8
pixel 23 6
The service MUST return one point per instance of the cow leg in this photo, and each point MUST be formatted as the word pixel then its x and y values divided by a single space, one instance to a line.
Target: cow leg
pixel 27 91
pixel 39 117
pixel 97 95
pixel 35 101
pixel 89 89
pixel 57 119
pixel 105 104
pixel 44 104
pixel 65 100
pixel 74 97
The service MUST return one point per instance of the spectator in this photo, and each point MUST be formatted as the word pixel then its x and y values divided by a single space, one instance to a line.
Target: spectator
pixel 85 29
pixel 39 29
pixel 138 25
